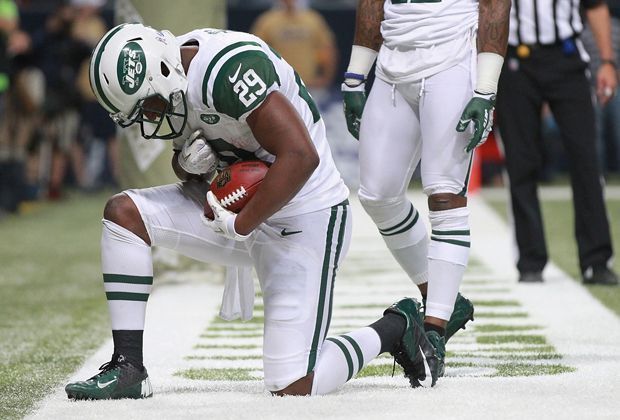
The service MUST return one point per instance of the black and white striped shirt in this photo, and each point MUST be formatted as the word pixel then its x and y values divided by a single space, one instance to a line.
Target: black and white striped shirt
pixel 546 22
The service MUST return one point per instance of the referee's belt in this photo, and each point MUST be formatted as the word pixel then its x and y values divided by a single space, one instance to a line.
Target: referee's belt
pixel 567 45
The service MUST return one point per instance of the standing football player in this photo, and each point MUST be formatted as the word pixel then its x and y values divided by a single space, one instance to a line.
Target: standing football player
pixel 227 96
pixel 431 104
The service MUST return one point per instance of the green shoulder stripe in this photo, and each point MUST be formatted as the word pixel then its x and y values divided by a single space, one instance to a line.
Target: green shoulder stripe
pixel 215 60
pixel 243 82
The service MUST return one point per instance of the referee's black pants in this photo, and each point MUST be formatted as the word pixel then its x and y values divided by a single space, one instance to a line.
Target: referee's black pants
pixel 549 75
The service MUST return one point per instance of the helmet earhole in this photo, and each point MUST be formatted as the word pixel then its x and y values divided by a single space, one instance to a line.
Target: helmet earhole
pixel 164 69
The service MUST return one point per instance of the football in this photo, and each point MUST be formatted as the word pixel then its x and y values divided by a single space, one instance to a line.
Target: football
pixel 237 184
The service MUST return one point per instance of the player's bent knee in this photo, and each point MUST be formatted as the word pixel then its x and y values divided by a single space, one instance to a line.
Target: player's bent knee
pixel 121 210
pixel 380 207
pixel 446 201
pixel 302 386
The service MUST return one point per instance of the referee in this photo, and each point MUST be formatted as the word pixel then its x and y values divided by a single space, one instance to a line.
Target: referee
pixel 546 63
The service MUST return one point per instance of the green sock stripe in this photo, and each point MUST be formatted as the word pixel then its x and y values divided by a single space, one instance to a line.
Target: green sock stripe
pixel 406 228
pixel 123 278
pixel 136 297
pixel 347 356
pixel 452 241
pixel 386 231
pixel 358 351
pixel 451 232
pixel 322 292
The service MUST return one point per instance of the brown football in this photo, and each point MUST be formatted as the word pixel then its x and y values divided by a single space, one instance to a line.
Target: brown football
pixel 237 184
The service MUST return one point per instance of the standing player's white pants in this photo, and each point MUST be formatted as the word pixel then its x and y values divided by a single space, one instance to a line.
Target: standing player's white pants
pixel 296 260
pixel 404 125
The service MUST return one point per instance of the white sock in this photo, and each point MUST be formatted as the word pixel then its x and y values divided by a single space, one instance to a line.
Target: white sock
pixel 448 256
pixel 127 266
pixel 442 289
pixel 403 232
pixel 342 357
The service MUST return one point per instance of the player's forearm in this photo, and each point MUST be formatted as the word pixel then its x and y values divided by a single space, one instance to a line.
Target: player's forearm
pixel 368 24
pixel 600 24
pixel 276 125
pixel 494 16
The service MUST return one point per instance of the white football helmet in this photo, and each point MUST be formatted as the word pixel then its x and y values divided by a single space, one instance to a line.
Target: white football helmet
pixel 137 75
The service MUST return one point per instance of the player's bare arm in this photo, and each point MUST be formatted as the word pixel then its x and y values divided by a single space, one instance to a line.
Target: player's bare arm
pixel 368 19
pixel 493 26
pixel 279 130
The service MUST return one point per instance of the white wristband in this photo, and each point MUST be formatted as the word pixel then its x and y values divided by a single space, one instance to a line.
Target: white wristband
pixel 489 69
pixel 362 59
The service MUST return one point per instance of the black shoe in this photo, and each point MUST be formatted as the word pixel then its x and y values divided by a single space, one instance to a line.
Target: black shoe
pixel 531 277
pixel 415 353
pixel 600 275
pixel 118 378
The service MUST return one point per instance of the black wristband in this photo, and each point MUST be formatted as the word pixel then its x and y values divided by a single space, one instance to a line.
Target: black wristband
pixel 609 61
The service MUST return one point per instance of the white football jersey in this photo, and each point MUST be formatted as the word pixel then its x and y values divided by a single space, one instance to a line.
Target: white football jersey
pixel 230 76
pixel 421 38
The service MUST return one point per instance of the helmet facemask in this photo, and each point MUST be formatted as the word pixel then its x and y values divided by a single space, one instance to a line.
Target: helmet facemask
pixel 159 117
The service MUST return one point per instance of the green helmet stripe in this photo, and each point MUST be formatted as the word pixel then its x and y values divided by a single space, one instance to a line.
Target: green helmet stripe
pixel 97 88
pixel 217 58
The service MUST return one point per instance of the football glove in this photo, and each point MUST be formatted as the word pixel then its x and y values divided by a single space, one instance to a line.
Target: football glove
pixel 479 111
pixel 196 156
pixel 223 221
pixel 354 99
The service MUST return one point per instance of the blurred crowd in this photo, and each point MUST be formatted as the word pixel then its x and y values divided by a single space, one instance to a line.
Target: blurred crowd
pixel 54 135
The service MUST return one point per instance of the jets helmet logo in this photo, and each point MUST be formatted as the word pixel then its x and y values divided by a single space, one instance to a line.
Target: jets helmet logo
pixel 131 67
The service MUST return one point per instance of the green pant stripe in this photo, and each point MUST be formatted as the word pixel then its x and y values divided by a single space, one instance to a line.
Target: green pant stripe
pixel 451 241
pixel 358 351
pixel 343 224
pixel 322 292
pixel 122 278
pixel 346 355
pixel 463 192
pixel 137 297
pixel 450 232
pixel 399 224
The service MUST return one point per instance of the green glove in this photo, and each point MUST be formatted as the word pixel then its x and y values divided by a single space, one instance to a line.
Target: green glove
pixel 478 110
pixel 354 99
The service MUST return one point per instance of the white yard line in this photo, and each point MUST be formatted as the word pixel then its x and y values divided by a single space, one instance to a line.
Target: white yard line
pixel 579 327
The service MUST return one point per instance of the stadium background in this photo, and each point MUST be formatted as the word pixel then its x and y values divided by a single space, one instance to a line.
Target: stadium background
pixel 52 311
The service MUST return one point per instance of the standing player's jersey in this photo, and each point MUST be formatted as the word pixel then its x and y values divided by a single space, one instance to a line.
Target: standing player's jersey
pixel 421 38
pixel 230 76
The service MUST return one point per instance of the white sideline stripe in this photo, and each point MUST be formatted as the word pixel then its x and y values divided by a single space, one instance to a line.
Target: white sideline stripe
pixel 579 327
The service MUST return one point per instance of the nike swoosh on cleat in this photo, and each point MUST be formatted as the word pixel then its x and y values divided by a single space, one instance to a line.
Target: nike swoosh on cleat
pixel 234 76
pixel 428 380
pixel 102 385
pixel 284 232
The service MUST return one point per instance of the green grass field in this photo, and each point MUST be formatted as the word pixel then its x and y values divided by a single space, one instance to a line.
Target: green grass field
pixel 558 219
pixel 53 310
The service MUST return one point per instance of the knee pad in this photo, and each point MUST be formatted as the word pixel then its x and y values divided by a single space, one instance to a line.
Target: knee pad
pixel 450 237
pixel 396 218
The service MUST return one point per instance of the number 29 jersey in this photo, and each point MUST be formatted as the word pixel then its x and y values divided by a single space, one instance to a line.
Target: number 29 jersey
pixel 231 76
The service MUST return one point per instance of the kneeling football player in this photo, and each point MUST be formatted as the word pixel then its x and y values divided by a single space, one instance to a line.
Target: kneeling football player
pixel 246 103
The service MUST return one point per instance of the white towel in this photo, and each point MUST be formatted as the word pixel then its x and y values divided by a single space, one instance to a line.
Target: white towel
pixel 238 296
